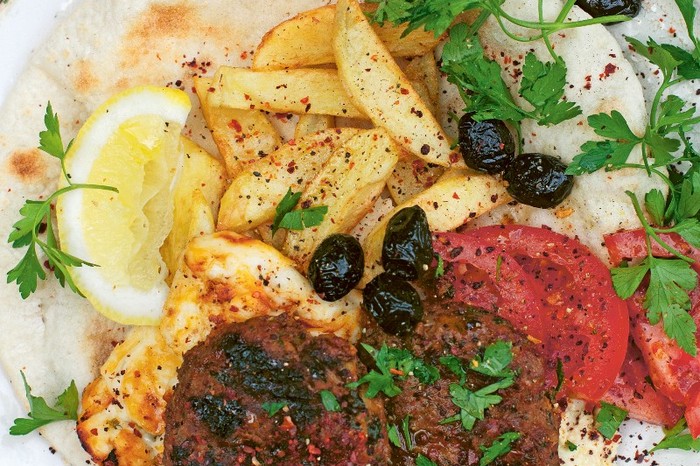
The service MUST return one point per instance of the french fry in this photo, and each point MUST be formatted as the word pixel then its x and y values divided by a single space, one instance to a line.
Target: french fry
pixel 196 201
pixel 193 217
pixel 349 184
pixel 411 176
pixel 448 204
pixel 309 123
pixel 380 89
pixel 424 69
pixel 302 41
pixel 241 135
pixel 300 91
pixel 253 195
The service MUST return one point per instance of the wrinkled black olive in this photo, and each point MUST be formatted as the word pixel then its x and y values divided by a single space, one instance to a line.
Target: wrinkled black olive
pixel 598 8
pixel 538 180
pixel 336 266
pixel 486 146
pixel 407 250
pixel 393 302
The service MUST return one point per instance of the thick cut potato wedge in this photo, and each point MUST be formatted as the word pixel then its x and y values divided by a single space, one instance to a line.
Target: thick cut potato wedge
pixel 349 184
pixel 302 41
pixel 309 123
pixel 451 202
pixel 196 195
pixel 412 176
pixel 306 90
pixel 254 194
pixel 241 135
pixel 424 69
pixel 382 91
pixel 193 217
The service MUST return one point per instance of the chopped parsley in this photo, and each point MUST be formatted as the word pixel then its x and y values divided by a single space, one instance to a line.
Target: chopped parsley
pixel 608 419
pixel 36 219
pixel 290 219
pixel 473 404
pixel 678 437
pixel 501 446
pixel 40 413
pixel 394 364
pixel 273 407
pixel 423 461
pixel 330 402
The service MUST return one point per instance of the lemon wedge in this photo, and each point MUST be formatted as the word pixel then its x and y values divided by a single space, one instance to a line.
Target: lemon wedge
pixel 131 142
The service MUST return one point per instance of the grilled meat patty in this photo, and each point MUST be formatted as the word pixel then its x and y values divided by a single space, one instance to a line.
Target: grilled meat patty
pixel 222 410
pixel 464 332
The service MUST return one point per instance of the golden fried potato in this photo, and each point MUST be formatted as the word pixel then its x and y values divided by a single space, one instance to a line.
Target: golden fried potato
pixel 309 123
pixel 382 91
pixel 241 135
pixel 348 184
pixel 300 91
pixel 411 176
pixel 451 202
pixel 196 198
pixel 302 41
pixel 254 194
pixel 424 69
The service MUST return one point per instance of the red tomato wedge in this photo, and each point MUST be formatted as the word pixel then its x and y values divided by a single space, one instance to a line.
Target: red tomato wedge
pixel 634 392
pixel 674 372
pixel 553 288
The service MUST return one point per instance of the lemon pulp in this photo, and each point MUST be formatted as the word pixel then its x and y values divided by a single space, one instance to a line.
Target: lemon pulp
pixel 132 143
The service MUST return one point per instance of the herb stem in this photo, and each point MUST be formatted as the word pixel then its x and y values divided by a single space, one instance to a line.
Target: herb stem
pixel 652 232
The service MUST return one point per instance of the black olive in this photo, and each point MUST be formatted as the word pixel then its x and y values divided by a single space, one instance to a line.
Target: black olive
pixel 598 8
pixel 538 180
pixel 393 302
pixel 486 146
pixel 336 266
pixel 407 250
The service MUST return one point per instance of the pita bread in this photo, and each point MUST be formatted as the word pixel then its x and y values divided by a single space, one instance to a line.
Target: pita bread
pixel 101 48
pixel 106 46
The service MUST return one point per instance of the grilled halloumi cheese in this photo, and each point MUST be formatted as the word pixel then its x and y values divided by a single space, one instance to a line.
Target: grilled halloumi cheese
pixel 223 278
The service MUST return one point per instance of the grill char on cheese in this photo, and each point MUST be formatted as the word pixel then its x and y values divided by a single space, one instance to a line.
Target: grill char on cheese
pixel 216 415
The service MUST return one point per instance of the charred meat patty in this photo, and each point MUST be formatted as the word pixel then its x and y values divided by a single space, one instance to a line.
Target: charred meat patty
pixel 264 392
pixel 464 332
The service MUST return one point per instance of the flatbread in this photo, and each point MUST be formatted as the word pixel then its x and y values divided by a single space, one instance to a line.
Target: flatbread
pixel 101 48
pixel 106 46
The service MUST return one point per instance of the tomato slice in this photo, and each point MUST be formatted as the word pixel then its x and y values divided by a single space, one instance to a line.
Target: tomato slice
pixel 561 290
pixel 634 392
pixel 674 372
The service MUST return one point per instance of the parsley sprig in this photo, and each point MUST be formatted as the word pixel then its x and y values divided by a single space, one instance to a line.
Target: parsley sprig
pixel 439 15
pixel 40 413
pixel 36 216
pixel 473 404
pixel 290 219
pixel 678 437
pixel 393 364
pixel 670 119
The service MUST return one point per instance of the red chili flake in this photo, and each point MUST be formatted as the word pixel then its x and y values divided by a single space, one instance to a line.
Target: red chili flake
pixel 246 96
pixel 587 86
pixel 244 55
pixel 404 91
pixel 305 100
pixel 211 89
pixel 292 142
pixel 235 125
pixel 455 196
pixel 291 167
pixel 454 157
pixel 672 30
pixel 609 69
pixel 313 450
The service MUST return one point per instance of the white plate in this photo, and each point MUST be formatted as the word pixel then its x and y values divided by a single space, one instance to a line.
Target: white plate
pixel 24 24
